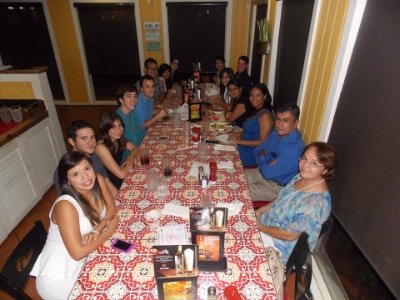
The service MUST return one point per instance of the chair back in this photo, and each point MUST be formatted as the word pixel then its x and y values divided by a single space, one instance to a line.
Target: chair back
pixel 300 262
pixel 21 261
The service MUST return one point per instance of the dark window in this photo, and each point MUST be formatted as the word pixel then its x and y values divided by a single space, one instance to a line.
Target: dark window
pixel 196 33
pixel 292 46
pixel 25 41
pixel 256 61
pixel 111 47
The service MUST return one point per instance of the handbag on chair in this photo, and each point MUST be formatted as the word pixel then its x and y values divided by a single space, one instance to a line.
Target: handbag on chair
pixel 277 272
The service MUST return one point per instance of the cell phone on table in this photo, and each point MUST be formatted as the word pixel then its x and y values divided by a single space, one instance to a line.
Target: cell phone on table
pixel 122 245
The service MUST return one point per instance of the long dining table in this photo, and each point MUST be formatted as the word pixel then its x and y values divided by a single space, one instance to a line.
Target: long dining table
pixel 109 274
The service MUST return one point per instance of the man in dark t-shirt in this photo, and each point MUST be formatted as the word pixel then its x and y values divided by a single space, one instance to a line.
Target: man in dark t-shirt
pixel 82 138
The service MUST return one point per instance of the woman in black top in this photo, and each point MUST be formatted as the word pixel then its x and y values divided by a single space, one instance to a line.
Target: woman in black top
pixel 111 144
pixel 241 107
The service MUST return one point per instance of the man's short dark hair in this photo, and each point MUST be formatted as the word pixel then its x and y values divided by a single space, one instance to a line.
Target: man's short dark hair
pixel 145 77
pixel 125 88
pixel 149 61
pixel 293 108
pixel 74 126
pixel 221 58
pixel 244 58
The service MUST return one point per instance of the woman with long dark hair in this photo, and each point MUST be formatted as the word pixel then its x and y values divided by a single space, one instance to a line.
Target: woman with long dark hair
pixel 240 105
pixel 111 145
pixel 257 127
pixel 81 220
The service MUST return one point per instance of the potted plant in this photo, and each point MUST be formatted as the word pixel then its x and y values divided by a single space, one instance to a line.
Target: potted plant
pixel 264 46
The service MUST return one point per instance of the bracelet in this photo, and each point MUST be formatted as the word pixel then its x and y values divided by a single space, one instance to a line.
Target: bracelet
pixel 96 232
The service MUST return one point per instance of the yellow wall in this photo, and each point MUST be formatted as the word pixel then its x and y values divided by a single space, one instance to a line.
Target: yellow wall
pixel 329 32
pixel 67 43
pixel 152 14
pixel 240 31
pixel 16 90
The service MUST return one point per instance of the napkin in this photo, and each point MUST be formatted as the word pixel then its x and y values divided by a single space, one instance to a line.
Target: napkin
pixel 225 164
pixel 233 208
pixel 176 210
pixel 223 138
pixel 224 148
pixel 172 235
pixel 194 169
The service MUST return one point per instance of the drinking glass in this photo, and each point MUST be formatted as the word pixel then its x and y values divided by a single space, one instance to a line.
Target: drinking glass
pixel 205 127
pixel 187 128
pixel 166 166
pixel 202 151
pixel 144 156
pixel 162 188
pixel 151 180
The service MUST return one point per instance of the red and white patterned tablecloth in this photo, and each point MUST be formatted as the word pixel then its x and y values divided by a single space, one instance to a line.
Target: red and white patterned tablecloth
pixel 108 274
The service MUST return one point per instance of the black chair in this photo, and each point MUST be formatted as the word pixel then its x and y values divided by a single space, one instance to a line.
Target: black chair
pixel 15 273
pixel 300 262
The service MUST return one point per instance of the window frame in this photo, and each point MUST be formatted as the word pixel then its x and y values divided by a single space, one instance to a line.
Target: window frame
pixel 228 26
pixel 78 32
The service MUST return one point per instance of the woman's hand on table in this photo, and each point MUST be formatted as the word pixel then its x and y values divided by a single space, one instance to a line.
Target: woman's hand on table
pixel 233 137
pixel 113 223
pixel 91 236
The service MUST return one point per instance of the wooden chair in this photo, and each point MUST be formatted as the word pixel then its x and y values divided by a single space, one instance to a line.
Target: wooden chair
pixel 300 262
pixel 15 273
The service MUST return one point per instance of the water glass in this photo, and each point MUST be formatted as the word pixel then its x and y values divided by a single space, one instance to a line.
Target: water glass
pixel 151 180
pixel 177 119
pixel 202 151
pixel 187 128
pixel 162 188
pixel 205 127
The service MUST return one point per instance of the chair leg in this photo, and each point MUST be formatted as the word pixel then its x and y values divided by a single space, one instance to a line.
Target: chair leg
pixel 7 287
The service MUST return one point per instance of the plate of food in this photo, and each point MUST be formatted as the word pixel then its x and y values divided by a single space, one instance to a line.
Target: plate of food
pixel 220 127
pixel 218 116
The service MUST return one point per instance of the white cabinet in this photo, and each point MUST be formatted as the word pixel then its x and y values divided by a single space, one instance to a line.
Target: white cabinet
pixel 27 165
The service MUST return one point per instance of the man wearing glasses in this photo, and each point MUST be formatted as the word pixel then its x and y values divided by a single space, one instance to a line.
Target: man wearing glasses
pixel 278 157
pixel 151 69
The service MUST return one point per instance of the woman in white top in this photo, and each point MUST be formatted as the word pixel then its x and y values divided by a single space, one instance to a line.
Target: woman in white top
pixel 81 220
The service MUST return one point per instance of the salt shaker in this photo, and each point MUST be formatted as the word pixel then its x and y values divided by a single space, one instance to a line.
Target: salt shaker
pixel 211 293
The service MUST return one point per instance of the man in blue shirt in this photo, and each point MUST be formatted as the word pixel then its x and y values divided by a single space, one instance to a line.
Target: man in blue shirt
pixel 145 104
pixel 151 69
pixel 277 157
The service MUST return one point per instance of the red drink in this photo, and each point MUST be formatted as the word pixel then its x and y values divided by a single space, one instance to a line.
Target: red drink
pixel 213 171
pixel 196 134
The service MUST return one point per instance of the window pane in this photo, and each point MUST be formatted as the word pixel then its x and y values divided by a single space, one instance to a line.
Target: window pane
pixel 110 40
pixel 25 41
pixel 196 33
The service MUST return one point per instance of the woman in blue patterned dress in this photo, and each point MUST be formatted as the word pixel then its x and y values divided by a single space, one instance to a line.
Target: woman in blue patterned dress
pixel 257 127
pixel 303 205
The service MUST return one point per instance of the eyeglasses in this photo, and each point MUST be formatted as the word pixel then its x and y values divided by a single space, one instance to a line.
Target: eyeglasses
pixel 151 69
pixel 233 89
pixel 314 164
pixel 284 121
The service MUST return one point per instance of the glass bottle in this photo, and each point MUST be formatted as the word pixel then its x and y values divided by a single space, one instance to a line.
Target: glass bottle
pixel 179 261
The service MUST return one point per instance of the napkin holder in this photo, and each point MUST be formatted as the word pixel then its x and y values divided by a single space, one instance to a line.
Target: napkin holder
pixel 170 283
pixel 195 109
pixel 209 238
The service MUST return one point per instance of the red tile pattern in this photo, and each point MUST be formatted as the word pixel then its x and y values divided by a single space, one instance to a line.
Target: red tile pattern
pixel 111 275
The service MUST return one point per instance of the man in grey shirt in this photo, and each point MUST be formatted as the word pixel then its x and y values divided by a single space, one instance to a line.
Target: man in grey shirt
pixel 82 138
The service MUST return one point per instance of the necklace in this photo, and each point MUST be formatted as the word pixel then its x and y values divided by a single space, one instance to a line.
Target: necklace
pixel 308 186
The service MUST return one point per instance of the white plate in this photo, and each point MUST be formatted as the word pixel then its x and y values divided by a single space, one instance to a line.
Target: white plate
pixel 219 114
pixel 220 127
